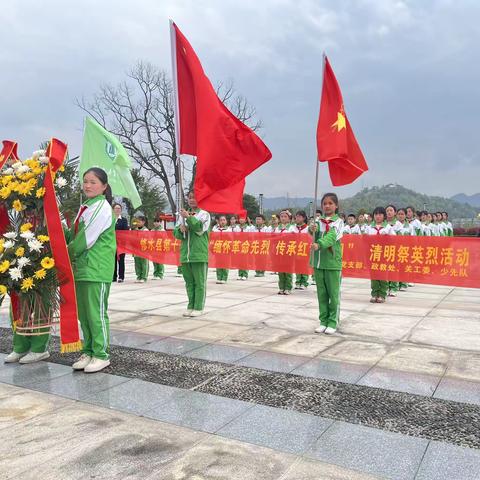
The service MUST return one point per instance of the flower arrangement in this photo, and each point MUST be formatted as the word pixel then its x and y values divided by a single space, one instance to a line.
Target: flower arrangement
pixel 27 268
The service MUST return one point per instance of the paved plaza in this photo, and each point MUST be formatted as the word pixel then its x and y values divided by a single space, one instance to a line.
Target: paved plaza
pixel 248 391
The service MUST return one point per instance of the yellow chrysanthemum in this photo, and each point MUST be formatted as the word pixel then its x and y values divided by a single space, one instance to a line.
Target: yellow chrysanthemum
pixel 4 266
pixel 33 163
pixel 62 168
pixel 40 192
pixel 27 284
pixel 5 192
pixel 25 227
pixel 26 188
pixel 6 179
pixel 18 205
pixel 20 252
pixel 43 238
pixel 3 290
pixel 47 262
pixel 40 274
pixel 37 171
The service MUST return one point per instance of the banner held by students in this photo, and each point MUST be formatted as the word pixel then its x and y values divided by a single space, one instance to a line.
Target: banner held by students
pixel 435 260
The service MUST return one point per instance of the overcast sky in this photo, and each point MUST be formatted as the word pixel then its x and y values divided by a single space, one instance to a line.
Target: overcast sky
pixel 409 72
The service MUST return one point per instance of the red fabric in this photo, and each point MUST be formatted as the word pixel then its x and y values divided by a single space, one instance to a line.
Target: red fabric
pixel 226 149
pixel 77 220
pixel 451 261
pixel 336 143
pixel 69 334
pixel 9 150
pixel 327 224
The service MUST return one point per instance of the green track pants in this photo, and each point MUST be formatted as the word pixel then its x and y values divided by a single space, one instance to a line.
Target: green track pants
pixel 393 286
pixel 92 304
pixel 141 268
pixel 158 270
pixel 222 274
pixel 301 280
pixel 379 288
pixel 328 293
pixel 30 343
pixel 243 274
pixel 285 281
pixel 195 275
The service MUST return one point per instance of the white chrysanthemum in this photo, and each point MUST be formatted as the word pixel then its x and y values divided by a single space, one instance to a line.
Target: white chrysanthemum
pixel 10 235
pixel 15 273
pixel 28 235
pixel 8 244
pixel 35 245
pixel 23 169
pixel 8 171
pixel 44 160
pixel 22 261
pixel 17 165
pixel 38 153
pixel 60 182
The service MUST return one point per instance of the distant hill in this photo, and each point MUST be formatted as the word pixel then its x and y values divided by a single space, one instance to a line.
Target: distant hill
pixel 369 198
pixel 473 200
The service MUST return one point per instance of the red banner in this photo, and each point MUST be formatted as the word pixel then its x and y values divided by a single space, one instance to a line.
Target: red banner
pixel 435 260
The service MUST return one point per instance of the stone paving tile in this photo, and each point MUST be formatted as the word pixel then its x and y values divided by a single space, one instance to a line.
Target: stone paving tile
pixel 78 385
pixel 448 462
pixel 17 374
pixel 464 365
pixel 218 458
pixel 355 352
pixel 400 381
pixel 274 362
pixel 175 346
pixel 220 353
pixel 282 430
pixel 372 451
pixel 135 396
pixel 132 339
pixel 306 345
pixel 199 411
pixel 331 370
pixel 308 469
pixel 459 391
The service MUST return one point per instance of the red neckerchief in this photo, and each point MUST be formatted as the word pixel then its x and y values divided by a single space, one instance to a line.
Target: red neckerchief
pixel 378 229
pixel 77 221
pixel 301 227
pixel 326 223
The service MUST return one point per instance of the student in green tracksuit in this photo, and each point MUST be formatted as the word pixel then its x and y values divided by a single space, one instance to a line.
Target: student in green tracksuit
pixel 141 264
pixel 391 210
pixel 285 280
pixel 92 246
pixel 221 226
pixel 327 263
pixel 242 226
pixel 158 268
pixel 380 226
pixel 192 230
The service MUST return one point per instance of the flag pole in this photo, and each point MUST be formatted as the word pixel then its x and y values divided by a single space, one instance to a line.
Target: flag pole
pixel 317 166
pixel 176 120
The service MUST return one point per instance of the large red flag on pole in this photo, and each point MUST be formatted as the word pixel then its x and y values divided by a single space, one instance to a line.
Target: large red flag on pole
pixel 336 143
pixel 226 149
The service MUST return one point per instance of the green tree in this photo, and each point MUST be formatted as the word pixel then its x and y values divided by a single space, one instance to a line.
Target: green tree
pixel 153 199
pixel 250 204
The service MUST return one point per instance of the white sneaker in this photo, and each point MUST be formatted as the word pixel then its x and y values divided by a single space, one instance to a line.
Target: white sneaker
pixel 96 364
pixel 187 313
pixel 32 357
pixel 410 284
pixel 330 330
pixel 14 357
pixel 287 292
pixel 320 329
pixel 82 362
pixel 196 313
pixel 392 294
pixel 243 279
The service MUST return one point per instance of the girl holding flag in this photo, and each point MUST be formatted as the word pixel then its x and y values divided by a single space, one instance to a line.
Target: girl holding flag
pixel 327 263
pixel 91 246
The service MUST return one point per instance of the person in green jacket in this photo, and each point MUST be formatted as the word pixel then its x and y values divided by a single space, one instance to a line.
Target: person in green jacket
pixel 158 268
pixel 141 263
pixel 92 245
pixel 327 263
pixel 192 230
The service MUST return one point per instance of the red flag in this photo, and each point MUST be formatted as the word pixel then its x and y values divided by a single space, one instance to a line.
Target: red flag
pixel 9 150
pixel 336 143
pixel 226 149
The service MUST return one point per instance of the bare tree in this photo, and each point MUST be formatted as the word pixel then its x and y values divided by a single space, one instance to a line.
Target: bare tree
pixel 140 111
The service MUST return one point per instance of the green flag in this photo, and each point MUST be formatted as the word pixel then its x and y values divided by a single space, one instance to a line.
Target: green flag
pixel 102 149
